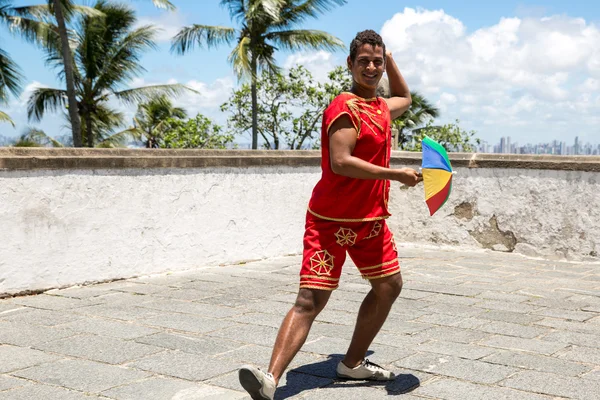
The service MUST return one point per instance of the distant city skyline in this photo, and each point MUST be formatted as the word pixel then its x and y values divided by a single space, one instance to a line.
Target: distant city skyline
pixel 555 147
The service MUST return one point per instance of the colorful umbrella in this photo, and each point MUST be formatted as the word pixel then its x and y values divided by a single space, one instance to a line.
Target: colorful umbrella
pixel 437 174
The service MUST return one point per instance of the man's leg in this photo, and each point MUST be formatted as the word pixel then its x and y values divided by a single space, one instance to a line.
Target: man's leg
pixel 295 328
pixel 371 316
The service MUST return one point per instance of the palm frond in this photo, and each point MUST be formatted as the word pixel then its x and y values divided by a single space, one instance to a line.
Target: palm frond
pixel 40 137
pixel 240 58
pixel 105 120
pixel 164 4
pixel 265 10
pixel 43 100
pixel 38 32
pixel 87 11
pixel 10 77
pixel 201 35
pixel 266 60
pixel 119 139
pixel 301 38
pixel 294 13
pixel 70 9
pixel 421 105
pixel 122 60
pixel 146 93
pixel 237 8
pixel 39 12
pixel 179 112
pixel 44 13
pixel 6 118
pixel 156 110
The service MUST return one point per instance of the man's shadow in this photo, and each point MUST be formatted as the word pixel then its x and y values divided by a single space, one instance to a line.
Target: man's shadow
pixel 320 374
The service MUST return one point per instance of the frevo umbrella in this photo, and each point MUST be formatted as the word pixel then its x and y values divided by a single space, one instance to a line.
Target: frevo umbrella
pixel 437 174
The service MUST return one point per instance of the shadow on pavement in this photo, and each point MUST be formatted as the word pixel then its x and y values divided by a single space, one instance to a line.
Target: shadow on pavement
pixel 321 374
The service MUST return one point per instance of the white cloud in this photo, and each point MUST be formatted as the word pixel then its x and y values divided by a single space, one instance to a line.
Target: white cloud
pixel 168 23
pixel 590 85
pixel 446 99
pixel 211 95
pixel 319 63
pixel 512 74
pixel 207 101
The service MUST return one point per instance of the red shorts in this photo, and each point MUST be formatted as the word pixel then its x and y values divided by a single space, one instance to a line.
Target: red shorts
pixel 370 245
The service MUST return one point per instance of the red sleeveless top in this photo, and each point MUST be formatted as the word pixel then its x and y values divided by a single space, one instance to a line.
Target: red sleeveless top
pixel 339 198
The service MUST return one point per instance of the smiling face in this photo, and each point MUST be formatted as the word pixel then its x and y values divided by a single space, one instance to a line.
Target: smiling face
pixel 368 66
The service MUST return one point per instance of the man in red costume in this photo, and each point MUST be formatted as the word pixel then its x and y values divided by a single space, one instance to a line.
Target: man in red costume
pixel 346 214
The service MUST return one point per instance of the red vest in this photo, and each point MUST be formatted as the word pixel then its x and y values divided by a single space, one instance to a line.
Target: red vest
pixel 343 199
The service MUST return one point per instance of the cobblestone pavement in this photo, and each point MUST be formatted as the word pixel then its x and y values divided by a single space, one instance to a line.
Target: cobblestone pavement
pixel 468 325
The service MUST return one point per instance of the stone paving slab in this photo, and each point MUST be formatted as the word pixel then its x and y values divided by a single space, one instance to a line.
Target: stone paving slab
pixel 468 325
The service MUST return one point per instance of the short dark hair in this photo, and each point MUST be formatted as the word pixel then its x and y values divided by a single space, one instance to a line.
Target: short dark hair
pixel 365 37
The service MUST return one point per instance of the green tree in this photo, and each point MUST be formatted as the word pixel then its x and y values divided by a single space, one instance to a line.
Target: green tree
pixel 451 136
pixel 151 119
pixel 107 51
pixel 195 133
pixel 63 12
pixel 313 99
pixel 289 107
pixel 266 26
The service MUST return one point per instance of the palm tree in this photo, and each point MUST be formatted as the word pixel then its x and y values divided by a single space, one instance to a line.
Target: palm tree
pixel 266 26
pixel 420 113
pixel 106 51
pixel 11 77
pixel 63 11
pixel 34 25
pixel 10 81
pixel 33 137
pixel 151 119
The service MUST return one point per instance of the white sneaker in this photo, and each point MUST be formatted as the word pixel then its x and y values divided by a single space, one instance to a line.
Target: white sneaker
pixel 259 385
pixel 365 371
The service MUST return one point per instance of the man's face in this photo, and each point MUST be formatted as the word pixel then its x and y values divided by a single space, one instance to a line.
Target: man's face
pixel 368 67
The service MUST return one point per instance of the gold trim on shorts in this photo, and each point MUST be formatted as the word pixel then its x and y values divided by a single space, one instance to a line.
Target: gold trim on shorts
pixel 371 278
pixel 390 268
pixel 317 287
pixel 323 278
pixel 347 219
pixel 378 265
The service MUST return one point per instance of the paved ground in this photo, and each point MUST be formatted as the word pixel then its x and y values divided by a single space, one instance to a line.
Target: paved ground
pixel 468 326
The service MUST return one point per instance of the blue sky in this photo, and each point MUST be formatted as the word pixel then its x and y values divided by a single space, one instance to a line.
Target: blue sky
pixel 507 68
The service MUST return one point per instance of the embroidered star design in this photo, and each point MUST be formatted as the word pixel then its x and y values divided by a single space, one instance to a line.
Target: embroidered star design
pixel 321 263
pixel 375 231
pixel 345 236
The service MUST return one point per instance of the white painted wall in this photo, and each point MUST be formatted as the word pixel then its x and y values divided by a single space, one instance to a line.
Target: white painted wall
pixel 60 228
pixel 554 214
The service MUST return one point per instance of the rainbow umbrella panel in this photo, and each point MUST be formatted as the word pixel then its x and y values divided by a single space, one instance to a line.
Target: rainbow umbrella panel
pixel 437 174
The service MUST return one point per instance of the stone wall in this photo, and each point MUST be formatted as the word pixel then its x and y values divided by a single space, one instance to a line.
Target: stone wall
pixel 73 216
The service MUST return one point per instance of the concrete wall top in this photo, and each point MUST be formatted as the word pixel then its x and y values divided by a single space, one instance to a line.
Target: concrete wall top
pixel 15 158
